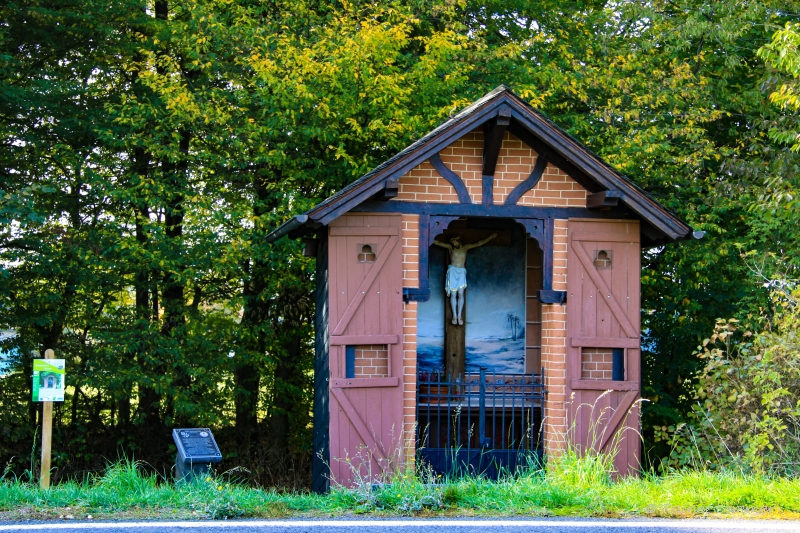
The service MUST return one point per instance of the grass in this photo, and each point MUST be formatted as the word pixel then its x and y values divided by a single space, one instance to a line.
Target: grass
pixel 572 486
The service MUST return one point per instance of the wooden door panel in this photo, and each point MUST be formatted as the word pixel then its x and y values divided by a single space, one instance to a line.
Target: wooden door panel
pixel 603 312
pixel 588 301
pixel 361 293
pixel 610 300
pixel 365 309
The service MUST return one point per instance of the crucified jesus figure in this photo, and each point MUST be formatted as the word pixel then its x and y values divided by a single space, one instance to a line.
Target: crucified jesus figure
pixel 456 279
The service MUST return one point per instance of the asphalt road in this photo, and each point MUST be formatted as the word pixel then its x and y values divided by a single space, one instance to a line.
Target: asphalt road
pixel 413 526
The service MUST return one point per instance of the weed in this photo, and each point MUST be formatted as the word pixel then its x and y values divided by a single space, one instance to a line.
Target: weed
pixel 451 495
pixel 223 508
pixel 7 470
pixel 746 415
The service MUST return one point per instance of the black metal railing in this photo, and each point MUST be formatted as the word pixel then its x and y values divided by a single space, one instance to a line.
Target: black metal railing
pixel 483 423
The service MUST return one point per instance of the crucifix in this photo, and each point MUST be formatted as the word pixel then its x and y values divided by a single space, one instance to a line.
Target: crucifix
pixel 456 280
pixel 455 285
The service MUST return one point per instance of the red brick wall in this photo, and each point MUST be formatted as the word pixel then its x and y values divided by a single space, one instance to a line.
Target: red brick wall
pixel 372 361
pixel 554 347
pixel 596 363
pixel 555 189
pixel 410 241
pixel 514 165
pixel 410 377
pixel 465 158
pixel 424 184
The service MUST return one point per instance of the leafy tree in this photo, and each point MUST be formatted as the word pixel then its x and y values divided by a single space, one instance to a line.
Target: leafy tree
pixel 783 55
pixel 169 140
pixel 148 148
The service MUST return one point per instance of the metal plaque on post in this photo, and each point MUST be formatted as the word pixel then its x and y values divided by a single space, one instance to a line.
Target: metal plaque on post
pixel 197 449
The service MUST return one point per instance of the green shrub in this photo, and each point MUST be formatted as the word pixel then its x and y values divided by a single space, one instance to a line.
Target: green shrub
pixel 747 413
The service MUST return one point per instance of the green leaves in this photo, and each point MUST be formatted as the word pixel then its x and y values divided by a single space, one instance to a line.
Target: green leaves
pixel 746 412
pixel 783 55
pixel 148 149
pixel 146 160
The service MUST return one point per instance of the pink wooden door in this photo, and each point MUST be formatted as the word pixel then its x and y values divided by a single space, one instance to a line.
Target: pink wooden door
pixel 603 315
pixel 366 361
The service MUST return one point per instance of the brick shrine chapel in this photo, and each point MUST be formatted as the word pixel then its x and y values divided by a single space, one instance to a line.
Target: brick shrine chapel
pixel 549 348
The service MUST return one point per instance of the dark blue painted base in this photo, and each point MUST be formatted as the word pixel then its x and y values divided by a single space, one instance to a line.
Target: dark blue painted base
pixel 492 464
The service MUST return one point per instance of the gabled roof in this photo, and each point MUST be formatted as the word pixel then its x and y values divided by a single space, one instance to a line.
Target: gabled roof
pixel 531 127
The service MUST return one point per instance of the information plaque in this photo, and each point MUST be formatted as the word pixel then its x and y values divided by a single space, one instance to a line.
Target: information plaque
pixel 196 445
pixel 48 380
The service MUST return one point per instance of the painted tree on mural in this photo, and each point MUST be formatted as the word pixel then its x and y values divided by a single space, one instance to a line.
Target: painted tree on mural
pixel 148 147
pixel 513 323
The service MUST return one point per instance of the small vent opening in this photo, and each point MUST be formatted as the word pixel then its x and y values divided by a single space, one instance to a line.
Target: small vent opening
pixel 602 259
pixel 366 255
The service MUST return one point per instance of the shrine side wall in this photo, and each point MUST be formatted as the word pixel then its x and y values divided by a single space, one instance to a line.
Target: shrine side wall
pixel 410 237
pixel 554 347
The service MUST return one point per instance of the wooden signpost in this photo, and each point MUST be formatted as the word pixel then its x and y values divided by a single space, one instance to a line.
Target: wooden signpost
pixel 48 386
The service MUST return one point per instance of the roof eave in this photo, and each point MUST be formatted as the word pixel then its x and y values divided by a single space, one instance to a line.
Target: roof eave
pixel 293 224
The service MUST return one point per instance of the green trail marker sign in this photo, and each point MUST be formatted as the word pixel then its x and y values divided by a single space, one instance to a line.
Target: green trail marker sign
pixel 48 380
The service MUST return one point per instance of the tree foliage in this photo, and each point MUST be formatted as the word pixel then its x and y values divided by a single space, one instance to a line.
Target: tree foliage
pixel 783 55
pixel 148 147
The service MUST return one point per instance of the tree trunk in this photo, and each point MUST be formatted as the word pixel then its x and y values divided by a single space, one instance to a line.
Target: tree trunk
pixel 254 319
pixel 285 397
pixel 149 399
pixel 173 299
pixel 246 375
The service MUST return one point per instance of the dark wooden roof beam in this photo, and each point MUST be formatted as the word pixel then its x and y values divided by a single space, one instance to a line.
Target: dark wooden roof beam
pixel 454 179
pixel 494 211
pixel 651 235
pixel 493 134
pixel 530 183
pixel 603 200
pixel 391 188
pixel 542 150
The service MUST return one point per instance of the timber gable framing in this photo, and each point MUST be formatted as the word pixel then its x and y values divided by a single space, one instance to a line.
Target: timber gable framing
pixel 498 112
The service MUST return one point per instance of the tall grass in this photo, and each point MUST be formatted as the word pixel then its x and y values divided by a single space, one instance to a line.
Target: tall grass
pixel 578 482
pixel 128 489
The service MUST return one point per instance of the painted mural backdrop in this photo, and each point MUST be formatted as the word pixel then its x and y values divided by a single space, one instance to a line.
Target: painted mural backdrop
pixel 495 311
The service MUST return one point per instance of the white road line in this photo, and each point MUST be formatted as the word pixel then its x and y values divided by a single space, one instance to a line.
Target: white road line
pixel 588 524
